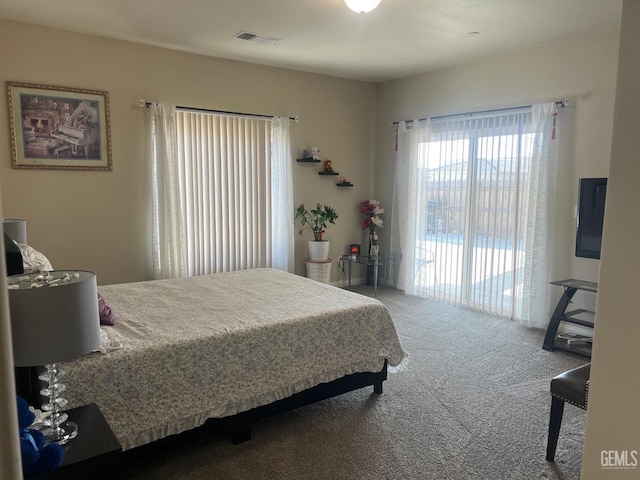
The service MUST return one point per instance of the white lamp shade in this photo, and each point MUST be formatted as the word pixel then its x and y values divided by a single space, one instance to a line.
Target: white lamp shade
pixel 55 322
pixel 362 6
pixel 16 229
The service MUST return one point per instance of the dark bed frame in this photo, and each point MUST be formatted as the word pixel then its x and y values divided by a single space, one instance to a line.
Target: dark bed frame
pixel 238 426
pixel 241 422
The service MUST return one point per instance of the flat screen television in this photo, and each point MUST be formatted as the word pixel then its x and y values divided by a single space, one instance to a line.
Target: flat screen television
pixel 591 198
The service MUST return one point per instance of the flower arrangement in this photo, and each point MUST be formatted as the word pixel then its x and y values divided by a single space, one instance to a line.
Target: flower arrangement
pixel 315 219
pixel 371 210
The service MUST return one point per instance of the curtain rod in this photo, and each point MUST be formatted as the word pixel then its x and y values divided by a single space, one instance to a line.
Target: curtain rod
pixel 145 104
pixel 560 103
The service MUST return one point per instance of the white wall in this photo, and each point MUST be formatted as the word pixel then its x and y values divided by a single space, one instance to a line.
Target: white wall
pixel 584 72
pixel 98 220
pixel 614 390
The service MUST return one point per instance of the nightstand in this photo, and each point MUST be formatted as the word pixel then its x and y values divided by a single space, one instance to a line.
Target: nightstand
pixel 94 453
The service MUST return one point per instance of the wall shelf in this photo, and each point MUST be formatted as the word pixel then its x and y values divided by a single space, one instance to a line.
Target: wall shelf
pixel 323 172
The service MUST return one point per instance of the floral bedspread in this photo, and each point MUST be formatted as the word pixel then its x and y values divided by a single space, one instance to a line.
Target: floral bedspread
pixel 212 346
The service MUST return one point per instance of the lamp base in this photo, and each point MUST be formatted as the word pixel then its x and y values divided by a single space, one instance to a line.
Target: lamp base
pixel 55 427
pixel 60 434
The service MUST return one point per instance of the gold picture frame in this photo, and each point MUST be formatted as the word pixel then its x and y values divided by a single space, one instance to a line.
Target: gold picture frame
pixel 59 128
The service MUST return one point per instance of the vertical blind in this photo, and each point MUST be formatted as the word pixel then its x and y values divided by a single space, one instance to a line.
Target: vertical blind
pixel 473 210
pixel 471 225
pixel 469 190
pixel 224 170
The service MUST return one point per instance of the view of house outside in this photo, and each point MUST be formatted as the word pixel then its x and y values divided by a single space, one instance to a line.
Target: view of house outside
pixel 470 243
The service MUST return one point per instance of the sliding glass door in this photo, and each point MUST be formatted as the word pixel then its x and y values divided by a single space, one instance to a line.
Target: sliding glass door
pixel 472 180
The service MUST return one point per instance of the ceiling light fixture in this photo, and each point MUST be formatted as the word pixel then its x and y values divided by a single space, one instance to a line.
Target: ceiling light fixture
pixel 362 6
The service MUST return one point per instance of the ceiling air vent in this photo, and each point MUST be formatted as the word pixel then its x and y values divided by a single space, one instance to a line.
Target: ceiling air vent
pixel 257 38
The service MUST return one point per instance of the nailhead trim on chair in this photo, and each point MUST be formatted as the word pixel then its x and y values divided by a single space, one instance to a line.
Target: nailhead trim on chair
pixel 557 408
pixel 586 394
pixel 586 397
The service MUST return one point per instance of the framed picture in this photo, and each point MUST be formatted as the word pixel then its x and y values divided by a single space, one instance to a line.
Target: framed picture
pixel 59 127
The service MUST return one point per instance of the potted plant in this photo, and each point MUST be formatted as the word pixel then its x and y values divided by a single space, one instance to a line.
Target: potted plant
pixel 316 220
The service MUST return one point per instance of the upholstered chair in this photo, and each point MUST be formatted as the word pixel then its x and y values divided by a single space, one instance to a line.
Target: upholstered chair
pixel 568 387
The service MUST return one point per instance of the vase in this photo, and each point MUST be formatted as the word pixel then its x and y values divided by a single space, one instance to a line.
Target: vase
pixel 374 251
pixel 318 250
pixel 374 248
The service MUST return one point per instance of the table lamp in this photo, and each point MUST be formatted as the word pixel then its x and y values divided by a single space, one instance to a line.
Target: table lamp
pixel 16 228
pixel 15 231
pixel 54 318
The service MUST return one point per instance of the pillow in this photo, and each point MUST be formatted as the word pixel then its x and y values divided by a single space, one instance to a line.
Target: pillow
pixel 106 315
pixel 33 260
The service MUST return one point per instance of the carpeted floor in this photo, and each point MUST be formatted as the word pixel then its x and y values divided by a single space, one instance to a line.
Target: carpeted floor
pixel 472 404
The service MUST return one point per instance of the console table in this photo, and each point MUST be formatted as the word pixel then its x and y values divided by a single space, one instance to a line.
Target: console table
pixel 579 344
pixel 376 262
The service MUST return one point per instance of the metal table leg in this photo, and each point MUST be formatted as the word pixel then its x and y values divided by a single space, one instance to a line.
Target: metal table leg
pixel 376 264
pixel 556 318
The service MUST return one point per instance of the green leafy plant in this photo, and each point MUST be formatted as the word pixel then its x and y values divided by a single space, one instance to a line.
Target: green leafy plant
pixel 316 219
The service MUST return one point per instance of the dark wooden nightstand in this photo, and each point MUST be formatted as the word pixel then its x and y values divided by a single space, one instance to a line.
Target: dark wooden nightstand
pixel 93 454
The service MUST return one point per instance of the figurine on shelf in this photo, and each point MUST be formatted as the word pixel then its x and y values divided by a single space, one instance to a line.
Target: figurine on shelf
pixel 315 151
pixel 305 153
pixel 328 167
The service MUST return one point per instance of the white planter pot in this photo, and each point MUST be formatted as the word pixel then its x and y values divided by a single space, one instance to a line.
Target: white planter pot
pixel 318 250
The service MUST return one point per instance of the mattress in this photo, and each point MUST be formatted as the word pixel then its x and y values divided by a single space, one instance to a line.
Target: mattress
pixel 195 348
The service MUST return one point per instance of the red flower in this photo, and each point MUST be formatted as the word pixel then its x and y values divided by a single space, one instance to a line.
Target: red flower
pixel 366 207
pixel 371 211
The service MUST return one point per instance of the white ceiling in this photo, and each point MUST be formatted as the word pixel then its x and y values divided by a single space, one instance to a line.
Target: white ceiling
pixel 399 38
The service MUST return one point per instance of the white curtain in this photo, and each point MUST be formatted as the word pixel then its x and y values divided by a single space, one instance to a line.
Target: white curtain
pixel 282 226
pixel 168 252
pixel 222 192
pixel 472 210
pixel 406 210
pixel 539 218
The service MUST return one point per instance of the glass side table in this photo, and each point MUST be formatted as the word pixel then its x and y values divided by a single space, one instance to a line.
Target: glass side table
pixel 380 261
pixel 580 344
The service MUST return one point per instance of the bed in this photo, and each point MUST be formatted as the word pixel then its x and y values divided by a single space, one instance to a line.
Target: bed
pixel 186 350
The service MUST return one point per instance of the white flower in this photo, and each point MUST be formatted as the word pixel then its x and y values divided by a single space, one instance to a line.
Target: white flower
pixel 371 211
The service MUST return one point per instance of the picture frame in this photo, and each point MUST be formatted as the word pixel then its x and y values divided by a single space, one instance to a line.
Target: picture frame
pixel 59 128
